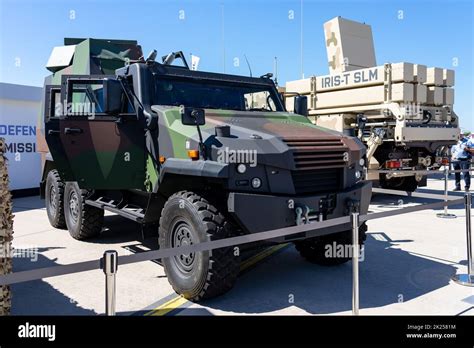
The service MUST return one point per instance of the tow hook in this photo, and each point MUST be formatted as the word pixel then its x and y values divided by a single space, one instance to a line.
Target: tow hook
pixel 302 215
pixel 324 207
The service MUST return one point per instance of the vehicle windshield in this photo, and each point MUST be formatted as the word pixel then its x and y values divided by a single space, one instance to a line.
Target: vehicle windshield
pixel 216 95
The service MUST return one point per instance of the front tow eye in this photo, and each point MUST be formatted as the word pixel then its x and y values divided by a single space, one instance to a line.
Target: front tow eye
pixel 302 215
pixel 352 206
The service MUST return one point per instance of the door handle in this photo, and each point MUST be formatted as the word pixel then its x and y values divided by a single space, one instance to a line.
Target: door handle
pixel 53 131
pixel 72 130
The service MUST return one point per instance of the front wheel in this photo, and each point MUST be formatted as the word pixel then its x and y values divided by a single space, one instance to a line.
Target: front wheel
pixel 187 219
pixel 332 249
pixel 83 221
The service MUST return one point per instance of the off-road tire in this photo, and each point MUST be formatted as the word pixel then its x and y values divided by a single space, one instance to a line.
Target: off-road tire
pixel 54 196
pixel 314 249
pixel 83 221
pixel 187 218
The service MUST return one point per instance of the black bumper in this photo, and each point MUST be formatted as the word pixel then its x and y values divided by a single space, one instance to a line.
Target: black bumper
pixel 258 213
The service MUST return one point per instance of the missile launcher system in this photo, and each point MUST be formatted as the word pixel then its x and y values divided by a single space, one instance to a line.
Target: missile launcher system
pixel 403 112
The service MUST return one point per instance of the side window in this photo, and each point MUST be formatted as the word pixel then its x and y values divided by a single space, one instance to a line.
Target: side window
pixel 56 103
pixel 87 99
pixel 84 95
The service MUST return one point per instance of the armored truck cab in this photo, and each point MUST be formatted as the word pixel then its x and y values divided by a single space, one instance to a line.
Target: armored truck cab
pixel 196 156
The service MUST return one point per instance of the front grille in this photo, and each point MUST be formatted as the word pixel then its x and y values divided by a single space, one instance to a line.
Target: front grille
pixel 310 154
pixel 319 164
pixel 317 181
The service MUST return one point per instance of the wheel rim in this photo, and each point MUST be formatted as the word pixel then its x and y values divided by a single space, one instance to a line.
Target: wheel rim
pixel 74 206
pixel 182 235
pixel 52 198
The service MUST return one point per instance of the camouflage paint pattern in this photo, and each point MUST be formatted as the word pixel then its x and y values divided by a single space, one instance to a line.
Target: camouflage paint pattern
pixel 112 155
pixel 106 156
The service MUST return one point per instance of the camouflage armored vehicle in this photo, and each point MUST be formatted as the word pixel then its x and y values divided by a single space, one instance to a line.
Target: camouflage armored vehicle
pixel 191 156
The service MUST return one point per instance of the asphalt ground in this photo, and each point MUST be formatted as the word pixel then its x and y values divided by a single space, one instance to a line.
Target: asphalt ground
pixel 406 269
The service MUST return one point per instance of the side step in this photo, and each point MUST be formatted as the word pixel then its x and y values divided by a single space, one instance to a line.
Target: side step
pixel 134 213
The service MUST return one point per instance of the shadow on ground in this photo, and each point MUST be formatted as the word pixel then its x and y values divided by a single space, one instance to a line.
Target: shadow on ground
pixel 387 275
pixel 393 201
pixel 117 230
pixel 28 203
pixel 38 297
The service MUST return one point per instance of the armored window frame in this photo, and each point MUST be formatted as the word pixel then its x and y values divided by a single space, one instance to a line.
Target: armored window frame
pixel 69 85
pixel 50 102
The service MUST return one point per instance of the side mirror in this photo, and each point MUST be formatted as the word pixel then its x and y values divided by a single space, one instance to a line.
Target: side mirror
pixel 301 105
pixel 113 93
pixel 192 116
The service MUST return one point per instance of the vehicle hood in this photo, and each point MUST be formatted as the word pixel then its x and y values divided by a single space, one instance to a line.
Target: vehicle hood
pixel 268 124
pixel 275 135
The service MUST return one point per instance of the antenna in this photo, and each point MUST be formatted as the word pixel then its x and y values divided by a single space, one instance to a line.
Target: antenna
pixel 275 70
pixel 301 40
pixel 223 37
pixel 248 64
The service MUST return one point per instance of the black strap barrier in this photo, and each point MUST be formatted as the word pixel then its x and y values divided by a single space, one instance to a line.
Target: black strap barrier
pixel 424 172
pixel 41 273
pixel 413 209
pixel 413 194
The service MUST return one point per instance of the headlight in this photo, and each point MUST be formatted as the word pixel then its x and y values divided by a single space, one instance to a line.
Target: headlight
pixel 358 175
pixel 241 168
pixel 256 183
pixel 362 162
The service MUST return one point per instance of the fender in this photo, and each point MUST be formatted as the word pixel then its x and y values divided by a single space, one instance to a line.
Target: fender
pixel 200 168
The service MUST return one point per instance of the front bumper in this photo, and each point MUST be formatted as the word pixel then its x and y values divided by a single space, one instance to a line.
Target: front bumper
pixel 258 212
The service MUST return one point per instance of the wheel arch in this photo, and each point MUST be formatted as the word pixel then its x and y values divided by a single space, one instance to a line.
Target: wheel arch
pixel 178 174
pixel 49 165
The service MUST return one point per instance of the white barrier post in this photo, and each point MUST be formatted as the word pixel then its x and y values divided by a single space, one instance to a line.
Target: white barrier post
pixel 467 279
pixel 445 214
pixel 355 263
pixel 110 270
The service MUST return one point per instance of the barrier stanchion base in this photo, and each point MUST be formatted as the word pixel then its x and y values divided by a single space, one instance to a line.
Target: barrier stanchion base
pixel 464 279
pixel 392 205
pixel 446 216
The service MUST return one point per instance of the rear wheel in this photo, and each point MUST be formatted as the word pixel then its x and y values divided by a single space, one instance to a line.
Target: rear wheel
pixel 187 219
pixel 330 250
pixel 54 196
pixel 83 221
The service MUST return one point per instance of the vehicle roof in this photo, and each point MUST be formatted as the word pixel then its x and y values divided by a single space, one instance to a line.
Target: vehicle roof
pixel 183 72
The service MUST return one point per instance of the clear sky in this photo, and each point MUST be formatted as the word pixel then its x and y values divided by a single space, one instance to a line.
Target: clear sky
pixel 434 33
